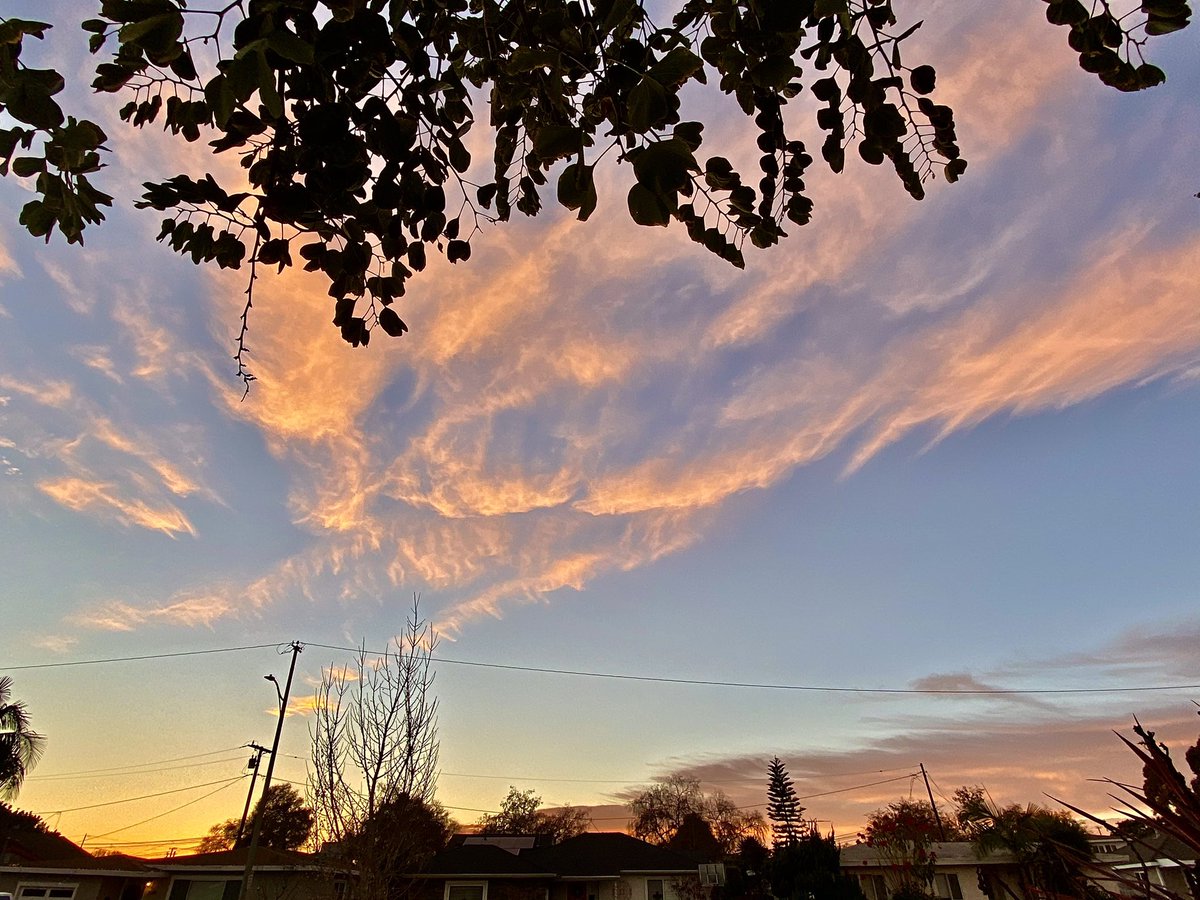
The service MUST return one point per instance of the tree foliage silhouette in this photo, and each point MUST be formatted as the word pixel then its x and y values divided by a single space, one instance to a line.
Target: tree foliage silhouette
pixel 351 119
pixel 1049 846
pixel 810 869
pixel 17 821
pixel 661 809
pixel 395 843
pixel 783 809
pixel 521 813
pixel 287 823
pixel 904 833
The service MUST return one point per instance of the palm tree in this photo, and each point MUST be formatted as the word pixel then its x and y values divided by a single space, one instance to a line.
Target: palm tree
pixel 19 746
pixel 1048 846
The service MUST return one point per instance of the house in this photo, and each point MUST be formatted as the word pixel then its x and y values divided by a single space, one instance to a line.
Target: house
pixel 44 865
pixel 589 866
pixel 959 873
pixel 1156 861
pixel 278 875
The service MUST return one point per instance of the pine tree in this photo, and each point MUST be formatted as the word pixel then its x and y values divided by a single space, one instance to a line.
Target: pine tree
pixel 783 809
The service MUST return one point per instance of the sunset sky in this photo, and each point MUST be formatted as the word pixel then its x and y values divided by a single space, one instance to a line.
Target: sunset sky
pixel 949 444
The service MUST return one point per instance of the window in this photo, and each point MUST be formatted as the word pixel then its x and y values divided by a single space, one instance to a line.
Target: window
pixel 466 890
pixel 46 891
pixel 655 889
pixel 211 889
pixel 874 887
pixel 947 887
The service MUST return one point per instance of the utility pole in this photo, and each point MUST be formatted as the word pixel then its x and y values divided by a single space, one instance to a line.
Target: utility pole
pixel 936 817
pixel 248 873
pixel 255 761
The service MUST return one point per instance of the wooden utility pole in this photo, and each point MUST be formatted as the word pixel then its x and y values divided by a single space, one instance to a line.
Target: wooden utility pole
pixel 248 873
pixel 936 817
pixel 255 762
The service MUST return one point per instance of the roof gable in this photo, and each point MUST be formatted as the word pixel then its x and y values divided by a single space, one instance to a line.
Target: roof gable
pixel 25 847
pixel 592 854
pixel 609 853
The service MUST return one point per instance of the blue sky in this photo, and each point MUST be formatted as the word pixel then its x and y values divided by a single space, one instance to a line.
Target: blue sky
pixel 947 444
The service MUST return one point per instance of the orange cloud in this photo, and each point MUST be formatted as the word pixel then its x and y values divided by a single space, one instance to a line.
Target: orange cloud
pixel 1129 317
pixel 8 265
pixel 81 495
pixel 79 301
pixel 188 611
pixel 1030 758
pixel 572 401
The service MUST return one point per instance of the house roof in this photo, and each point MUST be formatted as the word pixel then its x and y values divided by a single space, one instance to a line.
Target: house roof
pixel 29 846
pixel 235 860
pixel 484 860
pixel 609 853
pixel 1157 846
pixel 946 853
pixel 116 864
pixel 48 852
pixel 592 854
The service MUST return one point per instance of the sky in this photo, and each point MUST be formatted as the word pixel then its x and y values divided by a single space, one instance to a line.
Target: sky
pixel 918 446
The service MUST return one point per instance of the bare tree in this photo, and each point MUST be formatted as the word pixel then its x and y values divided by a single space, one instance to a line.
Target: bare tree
pixel 374 733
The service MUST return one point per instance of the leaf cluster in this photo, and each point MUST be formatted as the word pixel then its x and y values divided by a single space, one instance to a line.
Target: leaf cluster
pixel 1110 46
pixel 20 745
pixel 354 121
pixel 56 150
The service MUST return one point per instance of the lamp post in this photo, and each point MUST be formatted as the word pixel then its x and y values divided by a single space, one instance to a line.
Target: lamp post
pixel 248 873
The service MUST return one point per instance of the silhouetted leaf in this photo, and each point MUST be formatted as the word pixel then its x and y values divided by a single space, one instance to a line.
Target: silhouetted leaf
pixel 577 189
pixel 391 323
pixel 647 207
pixel 647 104
pixel 923 79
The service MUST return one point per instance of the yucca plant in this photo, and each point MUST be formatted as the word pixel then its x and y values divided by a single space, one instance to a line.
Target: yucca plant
pixel 1166 803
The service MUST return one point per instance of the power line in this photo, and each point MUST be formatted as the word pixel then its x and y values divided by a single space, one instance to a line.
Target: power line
pixel 55 812
pixel 174 809
pixel 155 762
pixel 539 778
pixel 652 679
pixel 658 679
pixel 122 773
pixel 177 840
pixel 856 787
pixel 117 659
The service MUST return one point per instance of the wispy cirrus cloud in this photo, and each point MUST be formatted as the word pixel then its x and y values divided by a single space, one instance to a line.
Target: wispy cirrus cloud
pixel 79 300
pixel 87 463
pixel 98 358
pixel 585 399
pixel 104 498
pixel 8 265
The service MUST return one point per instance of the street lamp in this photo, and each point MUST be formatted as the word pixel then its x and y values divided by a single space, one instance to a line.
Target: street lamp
pixel 248 873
